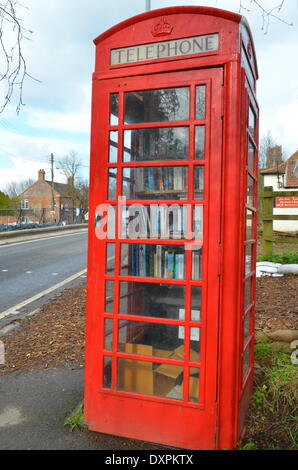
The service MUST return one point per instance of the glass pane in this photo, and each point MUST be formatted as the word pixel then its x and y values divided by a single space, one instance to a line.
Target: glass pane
pixel 248 259
pixel 246 328
pixel 109 300
pixel 155 183
pixel 200 143
pixel 247 299
pixel 195 341
pixel 194 384
pixel 151 339
pixel 152 300
pixel 107 374
pixel 197 265
pixel 164 261
pixel 250 191
pixel 110 259
pixel 199 182
pixel 112 190
pixel 167 143
pixel 251 122
pixel 154 221
pixel 249 223
pixel 169 104
pixel 250 156
pixel 196 296
pixel 163 380
pixel 114 109
pixel 104 221
pixel 108 334
pixel 113 152
pixel 200 101
pixel 198 222
pixel 246 362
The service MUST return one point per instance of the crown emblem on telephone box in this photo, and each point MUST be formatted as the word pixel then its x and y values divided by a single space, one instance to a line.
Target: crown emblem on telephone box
pixel 162 28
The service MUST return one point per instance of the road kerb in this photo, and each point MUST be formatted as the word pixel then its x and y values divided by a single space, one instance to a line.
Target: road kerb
pixel 41 294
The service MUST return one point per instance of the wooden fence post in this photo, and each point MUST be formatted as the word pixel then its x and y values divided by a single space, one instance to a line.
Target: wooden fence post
pixel 267 237
pixel 260 200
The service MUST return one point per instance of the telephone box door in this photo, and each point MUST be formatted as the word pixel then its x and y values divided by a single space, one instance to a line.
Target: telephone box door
pixel 154 257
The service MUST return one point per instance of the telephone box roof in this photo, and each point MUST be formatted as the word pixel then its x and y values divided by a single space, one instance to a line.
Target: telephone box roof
pixel 199 10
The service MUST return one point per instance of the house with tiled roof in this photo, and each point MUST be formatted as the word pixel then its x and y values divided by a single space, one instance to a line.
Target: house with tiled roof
pixel 284 177
pixel 45 201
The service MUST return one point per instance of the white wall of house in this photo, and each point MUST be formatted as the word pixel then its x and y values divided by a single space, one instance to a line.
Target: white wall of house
pixel 282 225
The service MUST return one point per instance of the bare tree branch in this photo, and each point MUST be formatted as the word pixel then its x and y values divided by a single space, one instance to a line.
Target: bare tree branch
pixel 14 188
pixel 14 72
pixel 266 14
pixel 70 165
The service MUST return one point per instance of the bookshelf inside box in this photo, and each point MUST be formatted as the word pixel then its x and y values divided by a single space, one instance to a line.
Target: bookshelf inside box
pixel 161 164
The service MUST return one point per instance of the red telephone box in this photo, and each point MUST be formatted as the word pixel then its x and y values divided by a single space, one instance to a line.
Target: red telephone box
pixel 172 229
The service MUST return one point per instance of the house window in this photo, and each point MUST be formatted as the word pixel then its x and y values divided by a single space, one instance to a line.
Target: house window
pixel 25 204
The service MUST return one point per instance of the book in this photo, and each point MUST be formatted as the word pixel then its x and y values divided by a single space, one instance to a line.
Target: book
pixel 137 252
pixel 196 266
pixel 161 186
pixel 169 265
pixel 150 179
pixel 142 260
pixel 179 266
pixel 133 260
pixel 170 177
pixel 158 260
pixel 150 261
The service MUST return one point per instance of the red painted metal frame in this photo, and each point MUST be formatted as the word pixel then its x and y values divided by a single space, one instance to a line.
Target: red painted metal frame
pixel 208 355
pixel 217 420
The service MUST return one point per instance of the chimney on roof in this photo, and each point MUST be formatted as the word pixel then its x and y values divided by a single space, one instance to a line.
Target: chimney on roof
pixel 70 181
pixel 41 175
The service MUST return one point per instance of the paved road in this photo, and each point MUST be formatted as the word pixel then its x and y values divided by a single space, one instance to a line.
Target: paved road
pixel 33 408
pixel 28 268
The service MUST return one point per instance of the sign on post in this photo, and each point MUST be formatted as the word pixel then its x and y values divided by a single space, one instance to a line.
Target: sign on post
pixel 286 202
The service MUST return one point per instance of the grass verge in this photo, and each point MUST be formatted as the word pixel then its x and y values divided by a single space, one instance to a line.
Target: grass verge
pixel 272 418
pixel 283 258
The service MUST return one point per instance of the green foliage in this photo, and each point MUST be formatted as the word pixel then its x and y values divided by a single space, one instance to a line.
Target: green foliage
pixel 75 419
pixel 282 383
pixel 274 403
pixel 259 396
pixel 283 258
pixel 248 446
pixel 4 201
pixel 267 355
pixel 263 351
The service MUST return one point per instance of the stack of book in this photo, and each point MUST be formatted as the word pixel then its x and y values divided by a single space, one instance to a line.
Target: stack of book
pixel 154 222
pixel 161 179
pixel 156 144
pixel 160 261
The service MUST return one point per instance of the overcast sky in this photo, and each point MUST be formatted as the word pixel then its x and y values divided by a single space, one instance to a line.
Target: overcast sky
pixel 60 54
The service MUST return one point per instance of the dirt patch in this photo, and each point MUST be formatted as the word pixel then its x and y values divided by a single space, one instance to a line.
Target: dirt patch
pixel 276 305
pixel 53 336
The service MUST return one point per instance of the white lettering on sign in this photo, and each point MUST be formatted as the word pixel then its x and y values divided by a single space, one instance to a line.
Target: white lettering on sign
pixel 165 49
pixel 287 201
